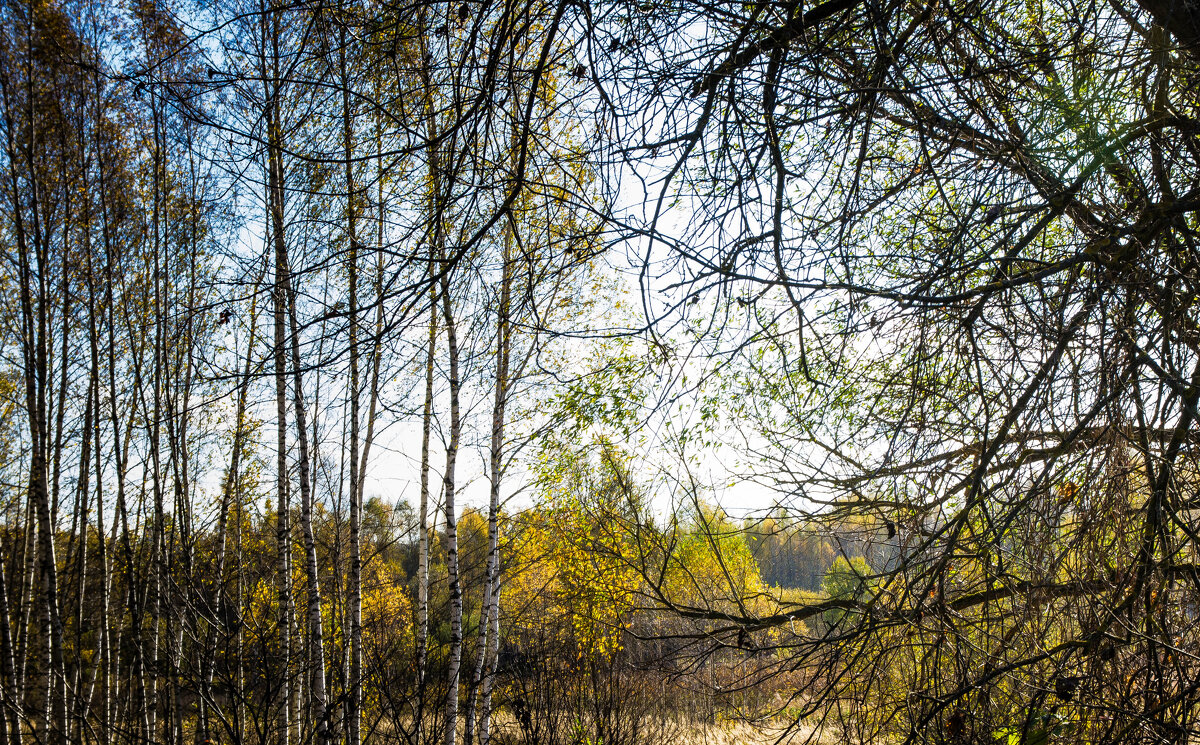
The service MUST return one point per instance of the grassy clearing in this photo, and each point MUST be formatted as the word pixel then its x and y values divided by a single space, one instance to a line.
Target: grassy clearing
pixel 506 731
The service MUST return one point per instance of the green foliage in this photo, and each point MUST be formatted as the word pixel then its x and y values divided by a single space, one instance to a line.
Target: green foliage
pixel 846 580
pixel 1041 726
pixel 711 564
pixel 607 398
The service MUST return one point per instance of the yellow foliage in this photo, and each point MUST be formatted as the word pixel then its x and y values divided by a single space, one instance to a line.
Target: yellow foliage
pixel 570 581
pixel 386 613
pixel 712 566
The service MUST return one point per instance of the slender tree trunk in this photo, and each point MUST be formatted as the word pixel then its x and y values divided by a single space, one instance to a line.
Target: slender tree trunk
pixel 275 200
pixel 435 253
pixel 91 437
pixel 110 646
pixel 10 717
pixel 423 517
pixel 316 633
pixel 230 492
pixel 105 660
pixel 83 621
pixel 282 527
pixel 25 607
pixel 454 660
pixel 356 487
pixel 489 623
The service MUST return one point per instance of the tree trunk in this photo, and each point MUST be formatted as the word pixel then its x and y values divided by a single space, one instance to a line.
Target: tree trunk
pixel 423 519
pixel 489 613
pixel 454 660
pixel 356 487
pixel 280 299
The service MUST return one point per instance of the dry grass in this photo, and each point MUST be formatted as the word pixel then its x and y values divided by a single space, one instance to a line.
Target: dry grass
pixel 740 733
pixel 725 733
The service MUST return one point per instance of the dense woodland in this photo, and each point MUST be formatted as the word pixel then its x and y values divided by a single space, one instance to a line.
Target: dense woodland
pixel 599 372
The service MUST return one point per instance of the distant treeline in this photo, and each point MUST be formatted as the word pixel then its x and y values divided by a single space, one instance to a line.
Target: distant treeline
pixel 796 553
